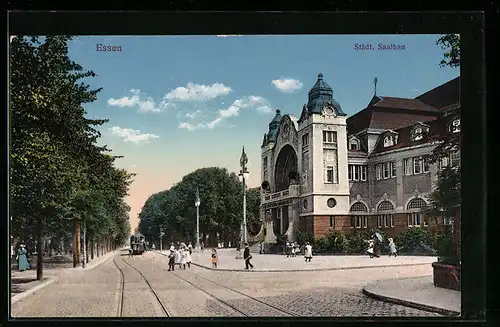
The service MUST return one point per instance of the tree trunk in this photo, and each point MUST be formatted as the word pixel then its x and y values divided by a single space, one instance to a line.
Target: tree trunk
pixel 98 249
pixel 39 250
pixel 75 257
pixel 92 245
pixel 87 256
pixel 78 243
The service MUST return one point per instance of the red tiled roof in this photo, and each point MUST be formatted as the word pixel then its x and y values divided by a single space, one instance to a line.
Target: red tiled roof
pixel 403 103
pixel 444 95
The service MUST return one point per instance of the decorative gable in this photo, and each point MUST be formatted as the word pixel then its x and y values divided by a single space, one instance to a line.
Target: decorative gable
pixel 418 131
pixel 390 138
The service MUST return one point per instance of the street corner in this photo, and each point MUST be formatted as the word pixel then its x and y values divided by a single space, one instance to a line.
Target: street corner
pixel 30 287
pixel 416 292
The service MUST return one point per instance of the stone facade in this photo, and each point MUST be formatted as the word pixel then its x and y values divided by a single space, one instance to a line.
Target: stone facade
pixel 325 172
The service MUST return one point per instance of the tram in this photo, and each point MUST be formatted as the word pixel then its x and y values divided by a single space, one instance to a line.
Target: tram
pixel 138 243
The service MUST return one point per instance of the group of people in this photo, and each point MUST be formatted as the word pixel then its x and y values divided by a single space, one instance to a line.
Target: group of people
pixel 180 255
pixel 292 249
pixel 374 247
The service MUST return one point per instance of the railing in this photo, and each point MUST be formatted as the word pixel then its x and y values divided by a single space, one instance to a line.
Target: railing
pixel 292 191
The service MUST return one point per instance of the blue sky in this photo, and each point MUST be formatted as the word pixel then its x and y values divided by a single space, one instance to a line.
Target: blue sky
pixel 178 103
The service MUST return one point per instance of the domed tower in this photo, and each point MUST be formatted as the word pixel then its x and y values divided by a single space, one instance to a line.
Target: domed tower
pixel 267 153
pixel 323 136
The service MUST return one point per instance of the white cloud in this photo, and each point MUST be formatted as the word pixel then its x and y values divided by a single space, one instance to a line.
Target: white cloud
pixel 144 106
pixel 249 102
pixel 193 114
pixel 287 85
pixel 133 136
pixel 197 92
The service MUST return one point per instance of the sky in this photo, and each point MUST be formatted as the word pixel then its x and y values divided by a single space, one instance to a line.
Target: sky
pixel 179 103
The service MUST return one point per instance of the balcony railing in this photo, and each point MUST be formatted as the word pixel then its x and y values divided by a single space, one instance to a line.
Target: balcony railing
pixel 293 190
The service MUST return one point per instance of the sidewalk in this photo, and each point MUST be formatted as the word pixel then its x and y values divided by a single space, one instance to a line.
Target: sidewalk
pixel 24 283
pixel 416 292
pixel 279 263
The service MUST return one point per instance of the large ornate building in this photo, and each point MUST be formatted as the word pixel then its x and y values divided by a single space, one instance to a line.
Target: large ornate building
pixel 324 171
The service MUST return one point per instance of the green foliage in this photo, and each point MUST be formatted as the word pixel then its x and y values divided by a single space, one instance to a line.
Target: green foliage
pixel 451 44
pixel 221 207
pixel 281 239
pixel 446 248
pixel 416 241
pixel 58 173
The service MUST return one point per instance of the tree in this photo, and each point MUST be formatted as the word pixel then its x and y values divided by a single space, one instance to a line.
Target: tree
pixel 53 150
pixel 221 210
pixel 451 44
pixel 253 211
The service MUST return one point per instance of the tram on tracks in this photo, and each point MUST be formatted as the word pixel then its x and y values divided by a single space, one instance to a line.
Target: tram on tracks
pixel 138 244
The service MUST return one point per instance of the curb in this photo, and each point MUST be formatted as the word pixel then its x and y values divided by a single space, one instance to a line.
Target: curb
pixel 410 304
pixel 304 270
pixel 23 295
pixel 109 255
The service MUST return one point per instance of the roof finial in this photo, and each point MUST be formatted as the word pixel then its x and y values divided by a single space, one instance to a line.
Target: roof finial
pixel 278 112
pixel 320 76
pixel 375 83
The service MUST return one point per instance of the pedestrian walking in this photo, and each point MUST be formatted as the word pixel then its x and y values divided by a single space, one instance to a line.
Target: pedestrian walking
pixel 172 247
pixel 188 257
pixel 376 246
pixel 130 252
pixel 202 246
pixel 183 252
pixel 247 256
pixel 153 247
pixel 177 256
pixel 171 261
pixel 296 249
pixel 308 252
pixel 370 250
pixel 392 248
pixel 190 248
pixel 22 258
pixel 288 249
pixel 215 258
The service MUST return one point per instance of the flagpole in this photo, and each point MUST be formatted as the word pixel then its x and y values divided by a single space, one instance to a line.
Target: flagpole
pixel 197 204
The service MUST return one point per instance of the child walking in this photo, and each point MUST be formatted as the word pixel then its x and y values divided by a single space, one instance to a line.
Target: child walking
pixel 171 261
pixel 215 258
pixel 392 248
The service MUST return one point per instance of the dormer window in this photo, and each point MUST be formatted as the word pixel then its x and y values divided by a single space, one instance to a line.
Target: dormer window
pixel 417 134
pixel 389 141
pixel 353 145
pixel 454 126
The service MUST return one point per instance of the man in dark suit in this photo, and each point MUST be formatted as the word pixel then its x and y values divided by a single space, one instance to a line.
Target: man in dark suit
pixel 247 256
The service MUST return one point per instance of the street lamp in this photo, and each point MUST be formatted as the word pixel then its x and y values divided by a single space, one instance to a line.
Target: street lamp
pixel 243 176
pixel 197 204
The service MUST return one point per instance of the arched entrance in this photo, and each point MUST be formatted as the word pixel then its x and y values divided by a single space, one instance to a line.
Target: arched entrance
pixel 285 164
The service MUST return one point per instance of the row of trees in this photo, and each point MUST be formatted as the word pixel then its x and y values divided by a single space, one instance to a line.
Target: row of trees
pixel 221 210
pixel 60 179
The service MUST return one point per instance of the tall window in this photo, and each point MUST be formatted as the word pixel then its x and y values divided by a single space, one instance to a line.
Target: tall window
pixel 361 221
pixel 305 140
pixel 329 174
pixel 332 221
pixel 393 169
pixel 385 220
pixel 265 162
pixel 386 170
pixel 329 137
pixel 363 173
pixel 417 166
pixel 408 166
pixel 378 169
pixel 414 219
pixel 357 172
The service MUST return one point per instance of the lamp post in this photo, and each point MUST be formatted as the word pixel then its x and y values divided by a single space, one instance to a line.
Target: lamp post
pixel 197 204
pixel 84 245
pixel 161 239
pixel 243 176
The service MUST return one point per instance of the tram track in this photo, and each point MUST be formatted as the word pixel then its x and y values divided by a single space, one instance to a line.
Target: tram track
pixel 158 299
pixel 259 305
pixel 121 296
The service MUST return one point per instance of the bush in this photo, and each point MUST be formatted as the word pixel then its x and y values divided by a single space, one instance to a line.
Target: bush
pixel 303 237
pixel 446 249
pixel 338 242
pixel 416 241
pixel 322 245
pixel 281 239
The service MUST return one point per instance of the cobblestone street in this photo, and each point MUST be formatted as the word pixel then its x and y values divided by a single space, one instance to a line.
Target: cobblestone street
pixel 198 292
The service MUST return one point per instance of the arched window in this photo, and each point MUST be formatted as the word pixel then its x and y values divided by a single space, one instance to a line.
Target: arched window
pixel 359 207
pixel 454 126
pixel 417 203
pixel 388 140
pixel 385 206
pixel 417 134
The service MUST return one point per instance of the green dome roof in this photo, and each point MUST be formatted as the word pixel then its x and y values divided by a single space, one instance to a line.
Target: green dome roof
pixel 273 127
pixel 321 94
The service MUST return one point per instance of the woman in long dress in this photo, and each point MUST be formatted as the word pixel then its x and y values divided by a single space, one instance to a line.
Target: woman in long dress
pixel 22 258
pixel 178 257
pixel 183 252
pixel 308 252
pixel 392 248
pixel 188 258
